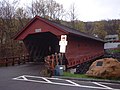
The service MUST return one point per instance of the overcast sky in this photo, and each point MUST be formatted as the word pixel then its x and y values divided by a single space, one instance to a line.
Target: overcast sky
pixel 92 10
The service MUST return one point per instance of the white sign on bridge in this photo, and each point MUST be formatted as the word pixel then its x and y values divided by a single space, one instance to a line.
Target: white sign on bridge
pixel 63 43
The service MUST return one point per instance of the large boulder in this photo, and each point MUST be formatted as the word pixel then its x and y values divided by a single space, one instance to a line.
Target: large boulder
pixel 105 68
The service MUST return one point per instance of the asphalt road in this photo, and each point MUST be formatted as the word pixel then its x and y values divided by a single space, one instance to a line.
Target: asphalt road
pixel 26 77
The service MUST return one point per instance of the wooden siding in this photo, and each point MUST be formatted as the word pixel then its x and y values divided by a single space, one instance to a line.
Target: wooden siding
pixel 82 49
pixel 37 24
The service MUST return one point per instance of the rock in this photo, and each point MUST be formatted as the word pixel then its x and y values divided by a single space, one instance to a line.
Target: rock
pixel 105 68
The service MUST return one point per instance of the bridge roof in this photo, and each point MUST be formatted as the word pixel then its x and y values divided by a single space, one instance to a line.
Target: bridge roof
pixel 60 27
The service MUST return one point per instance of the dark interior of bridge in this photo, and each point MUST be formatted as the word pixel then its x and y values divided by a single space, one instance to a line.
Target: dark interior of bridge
pixel 41 44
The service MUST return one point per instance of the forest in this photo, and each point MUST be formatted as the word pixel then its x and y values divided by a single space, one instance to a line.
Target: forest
pixel 13 18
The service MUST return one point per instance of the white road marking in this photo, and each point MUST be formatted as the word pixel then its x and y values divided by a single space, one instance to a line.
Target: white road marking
pixel 42 77
pixel 24 78
pixel 21 77
pixel 102 85
pixel 45 80
pixel 109 83
pixel 55 78
pixel 32 76
pixel 72 82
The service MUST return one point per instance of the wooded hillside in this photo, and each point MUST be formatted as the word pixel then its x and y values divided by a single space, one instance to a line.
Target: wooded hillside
pixel 97 28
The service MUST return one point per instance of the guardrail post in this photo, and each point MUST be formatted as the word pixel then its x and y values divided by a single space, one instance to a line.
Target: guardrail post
pixel 6 62
pixel 13 61
pixel 18 60
pixel 28 58
pixel 23 58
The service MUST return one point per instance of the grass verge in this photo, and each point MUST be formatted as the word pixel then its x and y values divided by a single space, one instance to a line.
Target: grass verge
pixel 68 74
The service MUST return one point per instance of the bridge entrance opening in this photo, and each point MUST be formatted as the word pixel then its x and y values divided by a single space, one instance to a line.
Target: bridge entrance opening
pixel 41 44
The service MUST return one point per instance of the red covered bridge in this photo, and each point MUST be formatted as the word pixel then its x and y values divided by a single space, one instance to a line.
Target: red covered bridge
pixel 41 38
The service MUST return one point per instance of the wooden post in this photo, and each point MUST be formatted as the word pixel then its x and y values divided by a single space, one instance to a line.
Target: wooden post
pixel 56 58
pixel 6 62
pixel 53 59
pixel 24 61
pixel 60 58
pixel 18 60
pixel 52 65
pixel 28 58
pixel 13 61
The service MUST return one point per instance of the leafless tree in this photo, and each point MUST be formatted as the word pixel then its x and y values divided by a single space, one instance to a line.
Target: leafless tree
pixel 47 8
pixel 55 10
pixel 73 15
pixel 22 16
pixel 38 7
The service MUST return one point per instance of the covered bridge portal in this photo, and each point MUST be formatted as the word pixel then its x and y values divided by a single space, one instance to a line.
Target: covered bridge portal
pixel 41 38
pixel 41 44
